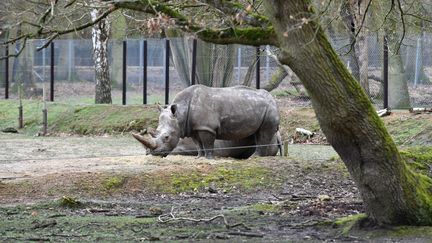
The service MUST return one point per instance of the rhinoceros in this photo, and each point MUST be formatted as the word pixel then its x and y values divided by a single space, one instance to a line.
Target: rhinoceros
pixel 239 149
pixel 206 114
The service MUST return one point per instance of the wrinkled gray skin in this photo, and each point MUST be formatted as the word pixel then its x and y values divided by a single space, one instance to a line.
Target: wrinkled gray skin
pixel 206 114
pixel 223 148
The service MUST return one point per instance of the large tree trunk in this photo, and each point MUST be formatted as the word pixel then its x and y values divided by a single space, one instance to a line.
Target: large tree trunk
pixel 100 32
pixel 391 192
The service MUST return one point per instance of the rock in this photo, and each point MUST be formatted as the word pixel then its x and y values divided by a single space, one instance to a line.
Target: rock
pixel 212 188
pixel 324 198
pixel 155 211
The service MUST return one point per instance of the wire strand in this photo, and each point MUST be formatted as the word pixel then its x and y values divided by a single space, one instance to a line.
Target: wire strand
pixel 130 155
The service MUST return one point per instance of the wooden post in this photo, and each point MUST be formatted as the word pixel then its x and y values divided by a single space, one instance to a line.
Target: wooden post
pixel 45 121
pixel 20 117
pixel 285 145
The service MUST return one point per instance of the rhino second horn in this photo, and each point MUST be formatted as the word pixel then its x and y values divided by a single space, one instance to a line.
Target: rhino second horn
pixel 149 143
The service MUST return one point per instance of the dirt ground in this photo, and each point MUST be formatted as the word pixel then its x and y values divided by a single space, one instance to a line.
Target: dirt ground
pixel 37 170
pixel 105 188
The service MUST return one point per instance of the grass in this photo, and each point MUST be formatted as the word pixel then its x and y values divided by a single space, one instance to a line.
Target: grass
pixel 78 119
pixel 222 179
pixel 419 159
pixel 409 129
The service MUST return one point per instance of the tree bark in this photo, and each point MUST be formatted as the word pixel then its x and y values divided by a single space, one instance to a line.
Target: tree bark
pixel 118 33
pixel 392 194
pixel 100 32
pixel 398 87
pixel 348 20
pixel 276 79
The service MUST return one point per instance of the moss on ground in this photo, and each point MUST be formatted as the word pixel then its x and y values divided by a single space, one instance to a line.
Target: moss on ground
pixel 419 159
pixel 347 223
pixel 408 129
pixel 114 182
pixel 218 179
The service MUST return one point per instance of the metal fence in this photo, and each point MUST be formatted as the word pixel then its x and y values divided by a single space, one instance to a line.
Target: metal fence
pixel 69 65
pixel 72 69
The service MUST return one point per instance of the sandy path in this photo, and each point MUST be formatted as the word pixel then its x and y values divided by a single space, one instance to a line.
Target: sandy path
pixel 24 157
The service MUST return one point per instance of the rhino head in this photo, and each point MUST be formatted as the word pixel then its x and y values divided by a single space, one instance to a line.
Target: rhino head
pixel 167 135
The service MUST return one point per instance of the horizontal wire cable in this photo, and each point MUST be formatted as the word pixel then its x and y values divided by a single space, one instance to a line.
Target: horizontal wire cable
pixel 130 155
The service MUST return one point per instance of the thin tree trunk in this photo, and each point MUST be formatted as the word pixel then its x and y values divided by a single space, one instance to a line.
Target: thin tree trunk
pixel 100 38
pixel 118 33
pixel 348 19
pixel 392 194
pixel 398 88
pixel 358 9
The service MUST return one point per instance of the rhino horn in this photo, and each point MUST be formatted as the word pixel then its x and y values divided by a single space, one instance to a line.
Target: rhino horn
pixel 147 142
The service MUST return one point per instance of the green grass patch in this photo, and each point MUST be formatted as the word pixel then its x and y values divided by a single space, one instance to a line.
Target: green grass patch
pixel 266 207
pixel 113 182
pixel 222 179
pixel 347 223
pixel 83 119
pixel 419 159
pixel 405 130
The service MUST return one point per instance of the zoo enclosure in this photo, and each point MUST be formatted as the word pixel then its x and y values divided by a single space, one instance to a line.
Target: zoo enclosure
pixel 150 73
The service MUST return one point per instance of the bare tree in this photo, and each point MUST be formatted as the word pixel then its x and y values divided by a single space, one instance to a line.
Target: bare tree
pixel 100 37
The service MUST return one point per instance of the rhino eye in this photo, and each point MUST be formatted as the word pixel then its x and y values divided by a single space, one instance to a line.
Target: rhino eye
pixel 166 138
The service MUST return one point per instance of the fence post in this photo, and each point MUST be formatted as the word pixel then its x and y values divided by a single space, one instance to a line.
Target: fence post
pixel 194 57
pixel 7 72
pixel 70 59
pixel 124 72
pixel 238 64
pixel 167 62
pixel 52 73
pixel 267 72
pixel 145 72
pixel 43 62
pixel 417 62
pixel 257 75
pixel 385 74
pixel 44 121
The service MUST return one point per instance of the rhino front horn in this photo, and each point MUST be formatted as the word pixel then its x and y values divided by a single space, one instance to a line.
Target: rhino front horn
pixel 149 143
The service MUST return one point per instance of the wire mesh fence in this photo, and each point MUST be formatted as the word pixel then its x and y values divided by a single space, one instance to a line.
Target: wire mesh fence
pixel 216 65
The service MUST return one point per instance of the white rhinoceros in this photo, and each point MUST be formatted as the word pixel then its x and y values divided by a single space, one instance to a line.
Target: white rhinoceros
pixel 206 114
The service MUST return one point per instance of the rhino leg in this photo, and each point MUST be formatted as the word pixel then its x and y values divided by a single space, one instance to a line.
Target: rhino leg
pixel 265 143
pixel 207 139
pixel 199 146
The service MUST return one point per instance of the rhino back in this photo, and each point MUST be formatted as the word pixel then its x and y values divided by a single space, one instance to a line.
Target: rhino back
pixel 230 113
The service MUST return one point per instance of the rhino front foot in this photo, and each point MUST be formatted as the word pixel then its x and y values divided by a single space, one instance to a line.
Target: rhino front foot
pixel 209 155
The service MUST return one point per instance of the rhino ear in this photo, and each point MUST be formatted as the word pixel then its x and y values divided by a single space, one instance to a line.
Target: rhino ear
pixel 173 109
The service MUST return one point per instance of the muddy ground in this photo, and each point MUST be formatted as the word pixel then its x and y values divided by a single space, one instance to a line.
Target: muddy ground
pixel 106 189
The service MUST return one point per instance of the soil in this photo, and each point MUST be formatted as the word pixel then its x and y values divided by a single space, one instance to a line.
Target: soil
pixel 106 189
